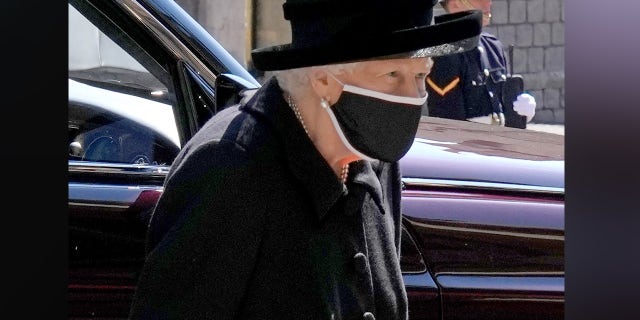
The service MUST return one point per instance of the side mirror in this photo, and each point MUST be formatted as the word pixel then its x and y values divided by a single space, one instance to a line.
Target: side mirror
pixel 229 90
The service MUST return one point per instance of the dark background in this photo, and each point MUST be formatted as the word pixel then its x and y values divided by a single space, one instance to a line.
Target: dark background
pixel 33 212
pixel 602 169
pixel 602 132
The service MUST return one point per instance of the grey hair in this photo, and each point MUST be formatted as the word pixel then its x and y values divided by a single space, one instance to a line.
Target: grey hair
pixel 296 82
pixel 291 80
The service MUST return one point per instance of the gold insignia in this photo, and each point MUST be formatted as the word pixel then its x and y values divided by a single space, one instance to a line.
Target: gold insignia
pixel 447 88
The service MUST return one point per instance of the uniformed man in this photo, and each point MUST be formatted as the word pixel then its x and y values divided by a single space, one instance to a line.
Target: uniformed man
pixel 474 85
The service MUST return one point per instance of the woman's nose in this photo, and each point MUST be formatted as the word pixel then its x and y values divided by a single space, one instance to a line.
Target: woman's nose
pixel 415 88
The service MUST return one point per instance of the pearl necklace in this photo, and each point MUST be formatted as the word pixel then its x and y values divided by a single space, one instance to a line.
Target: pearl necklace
pixel 344 172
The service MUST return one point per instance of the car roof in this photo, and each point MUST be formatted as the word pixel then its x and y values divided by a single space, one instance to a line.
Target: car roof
pixel 462 150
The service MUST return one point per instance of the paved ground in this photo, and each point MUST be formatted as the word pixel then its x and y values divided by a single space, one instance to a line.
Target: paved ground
pixel 553 128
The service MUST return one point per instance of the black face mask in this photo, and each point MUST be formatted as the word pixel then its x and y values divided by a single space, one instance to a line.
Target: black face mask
pixel 375 125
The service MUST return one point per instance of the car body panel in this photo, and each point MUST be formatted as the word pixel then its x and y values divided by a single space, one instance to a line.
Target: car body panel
pixel 485 207
pixel 490 253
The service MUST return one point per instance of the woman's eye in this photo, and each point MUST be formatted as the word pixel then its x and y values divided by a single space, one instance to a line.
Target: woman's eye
pixel 421 75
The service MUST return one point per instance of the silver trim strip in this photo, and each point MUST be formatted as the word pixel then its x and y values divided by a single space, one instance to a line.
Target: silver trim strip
pixel 98 205
pixel 114 168
pixel 504 273
pixel 423 280
pixel 503 283
pixel 494 232
pixel 422 182
pixel 106 196
pixel 168 39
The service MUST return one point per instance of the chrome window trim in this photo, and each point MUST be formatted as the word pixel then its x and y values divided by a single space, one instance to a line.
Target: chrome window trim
pixel 118 168
pixel 95 195
pixel 421 280
pixel 545 284
pixel 496 186
pixel 469 230
pixel 177 48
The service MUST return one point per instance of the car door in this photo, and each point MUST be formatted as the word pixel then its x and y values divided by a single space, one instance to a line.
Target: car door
pixel 137 91
pixel 490 251
pixel 483 210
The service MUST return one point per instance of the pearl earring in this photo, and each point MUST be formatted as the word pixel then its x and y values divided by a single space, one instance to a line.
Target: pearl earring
pixel 324 103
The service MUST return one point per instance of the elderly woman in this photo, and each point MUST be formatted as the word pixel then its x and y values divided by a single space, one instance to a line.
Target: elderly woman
pixel 287 206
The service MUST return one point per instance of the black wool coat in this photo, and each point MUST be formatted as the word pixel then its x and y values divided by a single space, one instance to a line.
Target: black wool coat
pixel 254 224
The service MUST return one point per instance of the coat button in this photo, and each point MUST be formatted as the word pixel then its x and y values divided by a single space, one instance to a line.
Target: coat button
pixel 360 261
pixel 368 316
pixel 486 72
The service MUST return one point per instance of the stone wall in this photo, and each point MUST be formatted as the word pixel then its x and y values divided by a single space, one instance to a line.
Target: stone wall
pixel 534 27
pixel 229 21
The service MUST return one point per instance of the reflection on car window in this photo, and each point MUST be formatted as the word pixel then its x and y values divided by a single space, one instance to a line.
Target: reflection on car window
pixel 108 126
pixel 119 112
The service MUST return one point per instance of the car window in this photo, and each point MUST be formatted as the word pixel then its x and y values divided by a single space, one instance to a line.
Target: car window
pixel 119 111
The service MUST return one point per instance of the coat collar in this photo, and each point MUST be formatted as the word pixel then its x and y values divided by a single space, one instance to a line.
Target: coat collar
pixel 306 163
pixel 366 173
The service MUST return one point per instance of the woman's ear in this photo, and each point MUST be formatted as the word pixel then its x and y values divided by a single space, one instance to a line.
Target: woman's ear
pixel 319 80
pixel 324 87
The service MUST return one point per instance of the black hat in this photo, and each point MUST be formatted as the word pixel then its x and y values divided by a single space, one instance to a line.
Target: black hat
pixel 337 31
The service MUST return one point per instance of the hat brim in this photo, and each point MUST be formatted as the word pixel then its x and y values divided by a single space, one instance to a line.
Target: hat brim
pixel 455 32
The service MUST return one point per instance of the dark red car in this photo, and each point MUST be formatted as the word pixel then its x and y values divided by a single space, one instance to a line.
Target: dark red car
pixel 483 205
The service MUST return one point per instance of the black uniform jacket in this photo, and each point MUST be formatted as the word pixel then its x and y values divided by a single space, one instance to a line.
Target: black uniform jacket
pixel 254 224
pixel 468 84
